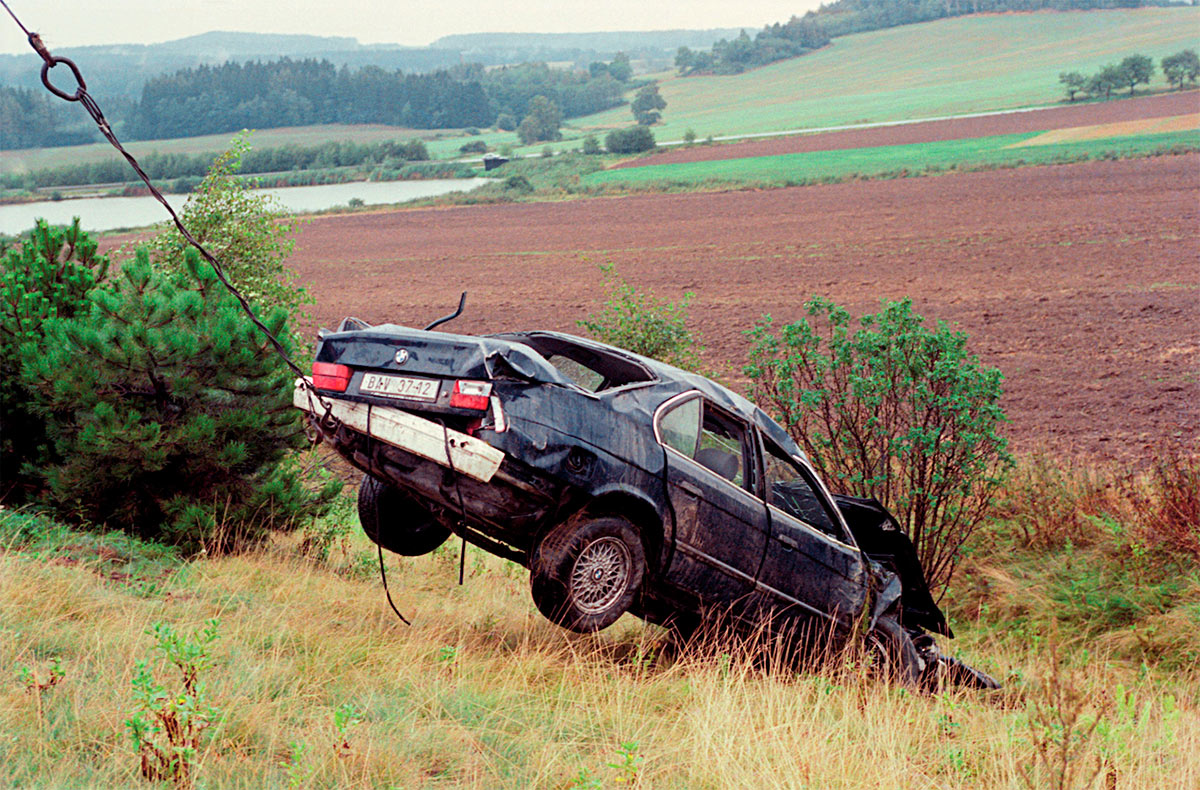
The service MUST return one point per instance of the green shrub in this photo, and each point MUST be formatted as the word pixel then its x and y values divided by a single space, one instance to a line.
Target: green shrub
pixel 518 183
pixel 47 275
pixel 633 140
pixel 170 413
pixel 474 147
pixel 643 323
pixel 247 231
pixel 591 145
pixel 891 409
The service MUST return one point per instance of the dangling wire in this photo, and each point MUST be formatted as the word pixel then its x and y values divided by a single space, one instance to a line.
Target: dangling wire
pixel 378 523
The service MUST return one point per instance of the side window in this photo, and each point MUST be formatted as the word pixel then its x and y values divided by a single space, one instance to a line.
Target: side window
pixel 709 437
pixel 679 428
pixel 722 447
pixel 790 490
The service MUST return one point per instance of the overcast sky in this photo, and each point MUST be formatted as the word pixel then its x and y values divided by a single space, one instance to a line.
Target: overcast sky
pixel 67 23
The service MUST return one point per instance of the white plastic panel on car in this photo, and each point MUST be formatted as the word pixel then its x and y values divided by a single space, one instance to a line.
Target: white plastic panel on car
pixel 473 457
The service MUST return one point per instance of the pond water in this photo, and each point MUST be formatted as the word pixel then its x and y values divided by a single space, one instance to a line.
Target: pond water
pixel 111 213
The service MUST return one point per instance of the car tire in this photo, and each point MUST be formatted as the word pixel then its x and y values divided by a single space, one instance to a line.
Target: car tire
pixel 587 572
pixel 395 520
pixel 893 653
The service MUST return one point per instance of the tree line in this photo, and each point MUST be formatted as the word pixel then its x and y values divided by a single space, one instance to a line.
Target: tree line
pixel 1181 68
pixel 798 36
pixel 226 98
pixel 31 119
pixel 844 17
pixel 289 158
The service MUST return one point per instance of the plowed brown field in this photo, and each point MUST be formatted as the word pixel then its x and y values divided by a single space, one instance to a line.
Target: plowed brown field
pixel 1083 114
pixel 1080 282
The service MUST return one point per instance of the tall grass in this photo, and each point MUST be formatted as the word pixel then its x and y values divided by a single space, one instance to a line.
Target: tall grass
pixel 317 684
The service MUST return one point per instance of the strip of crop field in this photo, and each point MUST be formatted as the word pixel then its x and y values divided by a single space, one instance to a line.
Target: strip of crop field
pixel 949 67
pixel 891 160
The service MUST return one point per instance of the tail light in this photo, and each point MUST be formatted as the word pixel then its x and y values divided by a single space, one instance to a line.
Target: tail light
pixel 328 376
pixel 471 395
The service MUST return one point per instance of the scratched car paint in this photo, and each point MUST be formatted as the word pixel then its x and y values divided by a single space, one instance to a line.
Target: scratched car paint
pixel 621 483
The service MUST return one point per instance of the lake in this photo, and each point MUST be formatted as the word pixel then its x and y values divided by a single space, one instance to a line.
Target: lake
pixel 111 213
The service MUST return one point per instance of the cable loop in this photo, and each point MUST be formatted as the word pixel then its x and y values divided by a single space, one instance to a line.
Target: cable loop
pixel 50 63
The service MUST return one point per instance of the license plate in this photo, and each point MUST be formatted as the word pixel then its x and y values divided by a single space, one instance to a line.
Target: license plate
pixel 399 387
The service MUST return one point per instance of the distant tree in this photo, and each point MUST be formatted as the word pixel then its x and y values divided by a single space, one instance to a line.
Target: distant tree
pixel 647 104
pixel 619 68
pixel 506 122
pixel 1181 67
pixel 542 122
pixel 1074 82
pixel 474 147
pixel 597 68
pixel 689 137
pixel 591 145
pixel 1135 70
pixel 1103 81
pixel 684 59
pixel 633 140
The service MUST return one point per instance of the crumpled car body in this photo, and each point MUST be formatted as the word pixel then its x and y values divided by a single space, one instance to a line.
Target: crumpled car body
pixel 622 483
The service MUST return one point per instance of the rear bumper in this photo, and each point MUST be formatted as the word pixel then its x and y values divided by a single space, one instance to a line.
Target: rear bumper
pixel 498 497
pixel 445 446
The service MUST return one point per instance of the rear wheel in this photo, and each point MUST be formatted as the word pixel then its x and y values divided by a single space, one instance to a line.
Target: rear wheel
pixel 587 572
pixel 396 520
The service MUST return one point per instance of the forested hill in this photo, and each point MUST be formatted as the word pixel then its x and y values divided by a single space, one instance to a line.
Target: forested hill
pixel 843 17
pixel 233 96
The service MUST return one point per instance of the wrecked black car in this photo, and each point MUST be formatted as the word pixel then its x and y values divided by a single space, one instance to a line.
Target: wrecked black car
pixel 621 483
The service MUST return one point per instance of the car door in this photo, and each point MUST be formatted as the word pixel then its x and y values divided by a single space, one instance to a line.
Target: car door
pixel 811 568
pixel 720 523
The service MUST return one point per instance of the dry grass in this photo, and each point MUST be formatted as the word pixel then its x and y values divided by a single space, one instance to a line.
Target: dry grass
pixel 482 692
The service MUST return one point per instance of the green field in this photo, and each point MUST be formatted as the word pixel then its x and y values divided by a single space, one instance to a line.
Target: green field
pixel 886 161
pixel 949 67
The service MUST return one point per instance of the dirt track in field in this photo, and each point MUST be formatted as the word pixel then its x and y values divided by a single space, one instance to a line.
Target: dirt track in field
pixel 1068 116
pixel 1080 282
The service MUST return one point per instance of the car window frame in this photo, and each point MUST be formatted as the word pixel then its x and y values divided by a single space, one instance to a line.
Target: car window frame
pixel 751 444
pixel 810 476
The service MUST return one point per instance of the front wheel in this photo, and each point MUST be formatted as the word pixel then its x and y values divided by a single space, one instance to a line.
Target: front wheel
pixel 893 652
pixel 396 520
pixel 587 572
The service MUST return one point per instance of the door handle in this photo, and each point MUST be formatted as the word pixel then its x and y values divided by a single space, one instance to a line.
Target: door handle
pixel 691 489
pixel 789 541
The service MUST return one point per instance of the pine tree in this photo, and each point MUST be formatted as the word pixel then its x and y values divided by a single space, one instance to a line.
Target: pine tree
pixel 170 412
pixel 48 275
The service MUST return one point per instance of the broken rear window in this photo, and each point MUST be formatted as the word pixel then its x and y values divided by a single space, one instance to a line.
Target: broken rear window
pixel 592 369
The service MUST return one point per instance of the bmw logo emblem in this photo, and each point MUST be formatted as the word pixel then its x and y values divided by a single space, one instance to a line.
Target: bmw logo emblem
pixel 401 356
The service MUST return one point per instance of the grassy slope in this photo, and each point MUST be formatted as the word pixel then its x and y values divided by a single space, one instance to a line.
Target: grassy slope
pixel 482 692
pixel 974 153
pixel 954 66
